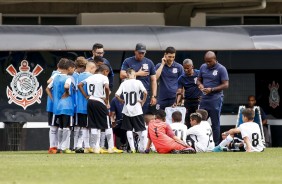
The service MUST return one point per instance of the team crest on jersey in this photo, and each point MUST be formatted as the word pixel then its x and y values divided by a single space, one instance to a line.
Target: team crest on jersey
pixel 174 70
pixel 145 66
pixel 274 98
pixel 25 89
pixel 214 73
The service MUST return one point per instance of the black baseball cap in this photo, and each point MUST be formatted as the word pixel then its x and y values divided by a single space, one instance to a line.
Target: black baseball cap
pixel 140 47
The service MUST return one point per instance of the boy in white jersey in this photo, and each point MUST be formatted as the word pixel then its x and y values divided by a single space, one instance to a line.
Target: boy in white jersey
pixel 97 107
pixel 178 128
pixel 250 132
pixel 206 128
pixel 132 109
pixel 198 136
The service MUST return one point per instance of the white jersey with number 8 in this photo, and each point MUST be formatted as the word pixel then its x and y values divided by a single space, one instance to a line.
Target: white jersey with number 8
pixel 252 131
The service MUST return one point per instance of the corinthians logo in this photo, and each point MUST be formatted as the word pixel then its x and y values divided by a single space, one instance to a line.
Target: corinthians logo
pixel 274 98
pixel 24 86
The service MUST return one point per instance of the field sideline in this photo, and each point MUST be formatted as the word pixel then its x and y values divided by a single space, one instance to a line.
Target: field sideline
pixel 28 167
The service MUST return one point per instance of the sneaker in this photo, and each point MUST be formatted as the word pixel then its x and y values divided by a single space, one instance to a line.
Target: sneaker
pixel 187 151
pixel 131 151
pixel 175 152
pixel 52 150
pixel 103 151
pixel 88 150
pixel 114 150
pixel 217 149
pixel 79 150
pixel 68 151
pixel 96 150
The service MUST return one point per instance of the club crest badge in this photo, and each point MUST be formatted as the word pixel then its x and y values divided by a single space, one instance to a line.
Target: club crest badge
pixel 174 70
pixel 145 66
pixel 214 73
pixel 274 98
pixel 25 89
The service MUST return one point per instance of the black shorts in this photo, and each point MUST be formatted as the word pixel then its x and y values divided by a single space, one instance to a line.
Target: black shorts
pixel 136 122
pixel 65 121
pixel 74 123
pixel 149 109
pixel 53 120
pixel 98 115
pixel 82 120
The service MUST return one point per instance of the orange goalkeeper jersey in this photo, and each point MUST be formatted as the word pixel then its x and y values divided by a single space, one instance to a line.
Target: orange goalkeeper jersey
pixel 162 135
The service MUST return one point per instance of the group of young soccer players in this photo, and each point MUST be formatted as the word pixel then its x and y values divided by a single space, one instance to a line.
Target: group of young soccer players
pixel 78 100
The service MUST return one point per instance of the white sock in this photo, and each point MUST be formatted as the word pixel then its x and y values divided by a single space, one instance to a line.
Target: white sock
pixel 75 136
pixel 102 139
pixel 85 137
pixel 226 141
pixel 110 137
pixel 53 136
pixel 95 135
pixel 129 135
pixel 60 137
pixel 142 143
pixel 66 138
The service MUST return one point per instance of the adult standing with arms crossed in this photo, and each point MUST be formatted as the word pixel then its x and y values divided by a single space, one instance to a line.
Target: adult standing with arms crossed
pixel 212 80
pixel 145 72
pixel 168 71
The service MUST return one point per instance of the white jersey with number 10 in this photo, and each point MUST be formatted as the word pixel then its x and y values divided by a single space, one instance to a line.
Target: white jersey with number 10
pixel 131 90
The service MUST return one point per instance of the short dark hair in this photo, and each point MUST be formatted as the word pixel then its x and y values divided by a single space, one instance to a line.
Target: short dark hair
pixel 204 114
pixel 160 114
pixel 130 70
pixel 196 116
pixel 61 63
pixel 176 116
pixel 97 46
pixel 103 67
pixel 65 63
pixel 70 63
pixel 249 113
pixel 170 50
pixel 98 59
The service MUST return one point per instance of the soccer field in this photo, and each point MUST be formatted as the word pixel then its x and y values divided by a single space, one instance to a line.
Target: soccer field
pixel 228 167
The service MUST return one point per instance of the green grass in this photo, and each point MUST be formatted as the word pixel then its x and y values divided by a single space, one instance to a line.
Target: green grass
pixel 240 168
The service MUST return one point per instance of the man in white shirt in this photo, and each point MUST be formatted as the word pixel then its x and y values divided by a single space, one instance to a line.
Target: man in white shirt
pixel 178 128
pixel 250 132
pixel 131 89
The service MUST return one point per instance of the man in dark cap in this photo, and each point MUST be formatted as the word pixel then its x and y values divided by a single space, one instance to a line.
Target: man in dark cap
pixel 145 72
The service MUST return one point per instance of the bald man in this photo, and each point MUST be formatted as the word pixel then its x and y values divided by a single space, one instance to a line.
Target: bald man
pixel 212 80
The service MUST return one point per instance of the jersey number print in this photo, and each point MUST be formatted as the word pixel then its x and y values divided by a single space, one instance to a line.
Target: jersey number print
pixel 130 98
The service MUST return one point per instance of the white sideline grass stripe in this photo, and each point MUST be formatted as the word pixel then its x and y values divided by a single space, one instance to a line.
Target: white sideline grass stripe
pixel 31 125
